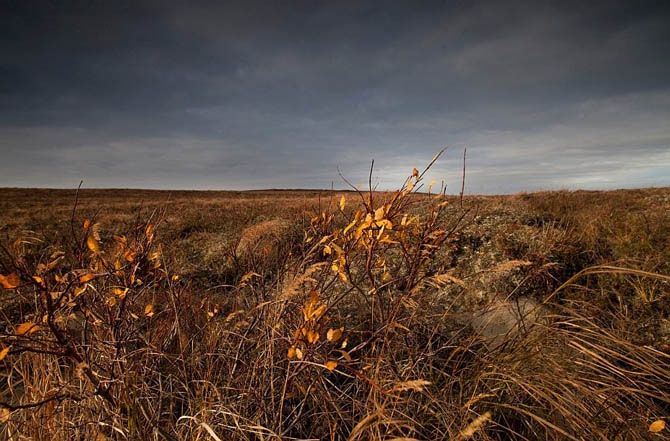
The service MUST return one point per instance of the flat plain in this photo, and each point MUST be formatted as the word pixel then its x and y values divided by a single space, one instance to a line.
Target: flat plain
pixel 305 314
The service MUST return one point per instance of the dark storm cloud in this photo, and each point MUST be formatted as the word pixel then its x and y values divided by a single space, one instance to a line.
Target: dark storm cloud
pixel 277 94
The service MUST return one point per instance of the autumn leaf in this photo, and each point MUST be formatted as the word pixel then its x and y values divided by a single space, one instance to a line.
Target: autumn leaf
pixel 312 336
pixel 657 426
pixel 56 258
pixel 149 310
pixel 379 213
pixel 343 203
pixel 10 281
pixel 4 414
pixel 121 293
pixel 415 172
pixel 27 328
pixel 334 335
pixel 331 365
pixel 79 291
pixel 4 352
pixel 129 255
pixel 92 244
pixel 149 232
pixel 291 353
pixel 86 278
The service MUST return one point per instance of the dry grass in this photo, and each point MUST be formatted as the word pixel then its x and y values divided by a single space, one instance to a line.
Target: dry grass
pixel 287 315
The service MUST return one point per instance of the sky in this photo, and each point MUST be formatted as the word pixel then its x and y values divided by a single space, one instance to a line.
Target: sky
pixel 280 94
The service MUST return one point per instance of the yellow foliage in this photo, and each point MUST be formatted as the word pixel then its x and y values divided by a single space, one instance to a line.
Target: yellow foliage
pixel 10 281
pixel 334 335
pixel 86 278
pixel 27 328
pixel 149 310
pixel 92 244
pixel 657 426
pixel 119 292
pixel 312 336
pixel 4 414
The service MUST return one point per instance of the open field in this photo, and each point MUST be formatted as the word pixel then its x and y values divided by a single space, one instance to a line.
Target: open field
pixel 272 315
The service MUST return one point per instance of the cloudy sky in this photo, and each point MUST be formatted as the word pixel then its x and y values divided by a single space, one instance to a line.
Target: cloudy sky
pixel 235 95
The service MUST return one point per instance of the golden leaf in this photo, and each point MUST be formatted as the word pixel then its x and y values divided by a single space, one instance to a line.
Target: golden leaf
pixel 121 293
pixel 312 336
pixel 291 353
pixel 86 278
pixel 87 224
pixel 657 426
pixel 129 255
pixel 331 365
pixel 149 232
pixel 298 353
pixel 155 257
pixel 343 203
pixel 350 226
pixel 334 335
pixel 342 275
pixel 27 328
pixel 386 224
pixel 379 213
pixel 318 312
pixel 415 172
pixel 4 352
pixel 92 244
pixel 327 250
pixel 345 354
pixel 10 281
pixel 4 414
pixel 149 310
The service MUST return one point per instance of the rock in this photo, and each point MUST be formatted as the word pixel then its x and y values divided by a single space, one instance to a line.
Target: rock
pixel 503 319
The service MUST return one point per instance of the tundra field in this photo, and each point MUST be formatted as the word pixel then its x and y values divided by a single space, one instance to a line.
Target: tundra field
pixel 282 315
